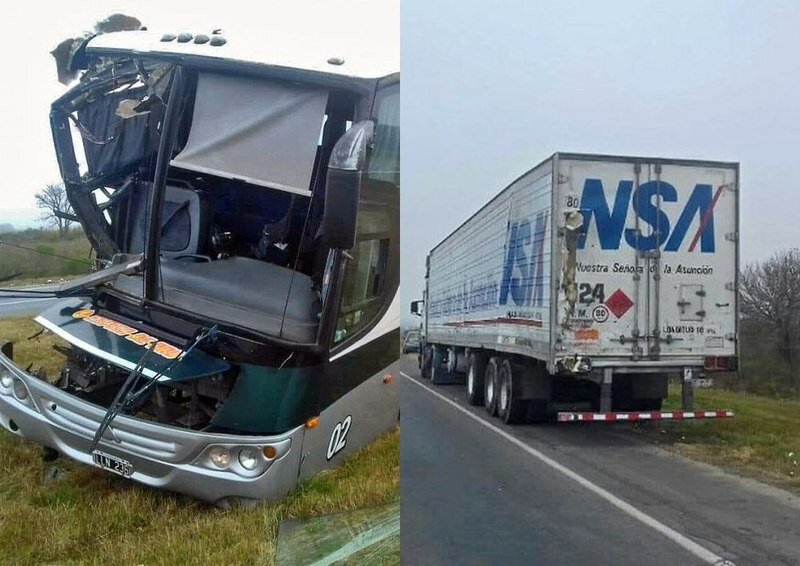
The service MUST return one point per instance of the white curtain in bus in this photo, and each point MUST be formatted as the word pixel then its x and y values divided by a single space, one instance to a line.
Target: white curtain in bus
pixel 263 132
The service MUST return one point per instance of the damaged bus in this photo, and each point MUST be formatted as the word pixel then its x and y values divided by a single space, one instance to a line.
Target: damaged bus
pixel 243 205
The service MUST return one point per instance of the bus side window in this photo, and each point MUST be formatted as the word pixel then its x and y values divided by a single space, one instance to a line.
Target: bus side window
pixel 384 162
pixel 364 282
pixel 371 274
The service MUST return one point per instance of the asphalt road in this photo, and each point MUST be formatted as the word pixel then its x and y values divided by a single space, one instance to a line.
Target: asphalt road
pixel 474 491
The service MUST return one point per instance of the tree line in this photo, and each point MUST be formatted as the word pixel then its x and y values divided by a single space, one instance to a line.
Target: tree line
pixel 769 299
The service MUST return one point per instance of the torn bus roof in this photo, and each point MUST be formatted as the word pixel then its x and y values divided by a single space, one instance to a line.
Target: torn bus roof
pixel 123 345
pixel 368 62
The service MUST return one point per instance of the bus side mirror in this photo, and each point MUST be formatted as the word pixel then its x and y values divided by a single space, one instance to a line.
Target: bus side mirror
pixel 343 186
pixel 416 308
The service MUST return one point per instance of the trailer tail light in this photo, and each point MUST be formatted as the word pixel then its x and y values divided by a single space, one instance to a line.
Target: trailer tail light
pixel 721 363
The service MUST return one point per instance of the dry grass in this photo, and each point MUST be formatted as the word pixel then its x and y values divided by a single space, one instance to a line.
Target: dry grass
pixel 37 352
pixel 761 441
pixel 90 516
pixel 49 280
pixel 32 255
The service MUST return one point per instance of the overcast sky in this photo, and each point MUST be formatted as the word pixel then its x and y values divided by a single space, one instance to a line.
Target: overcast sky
pixel 490 91
pixel 32 29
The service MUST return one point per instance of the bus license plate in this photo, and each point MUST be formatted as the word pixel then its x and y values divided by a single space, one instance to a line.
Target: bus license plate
pixel 112 464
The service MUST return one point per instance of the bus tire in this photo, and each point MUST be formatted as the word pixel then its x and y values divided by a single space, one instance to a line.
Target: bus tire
pixel 490 387
pixel 476 371
pixel 509 408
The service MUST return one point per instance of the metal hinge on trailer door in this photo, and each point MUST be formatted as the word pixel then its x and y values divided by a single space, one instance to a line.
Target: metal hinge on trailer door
pixel 732 236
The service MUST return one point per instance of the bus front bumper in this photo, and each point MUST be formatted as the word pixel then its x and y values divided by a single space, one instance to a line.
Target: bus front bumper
pixel 153 454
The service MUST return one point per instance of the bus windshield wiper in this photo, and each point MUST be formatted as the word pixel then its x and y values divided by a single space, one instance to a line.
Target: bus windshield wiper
pixel 132 390
pixel 81 285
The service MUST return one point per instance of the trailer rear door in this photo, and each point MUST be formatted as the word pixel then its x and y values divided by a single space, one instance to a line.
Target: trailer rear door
pixel 652 276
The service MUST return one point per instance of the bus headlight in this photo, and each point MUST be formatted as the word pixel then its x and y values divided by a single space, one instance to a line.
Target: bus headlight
pixel 220 456
pixel 20 391
pixel 6 379
pixel 248 458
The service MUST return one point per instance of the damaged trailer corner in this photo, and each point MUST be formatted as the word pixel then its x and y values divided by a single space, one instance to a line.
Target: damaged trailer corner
pixel 244 215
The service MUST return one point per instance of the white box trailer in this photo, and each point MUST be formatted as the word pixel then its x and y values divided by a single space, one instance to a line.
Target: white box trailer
pixel 587 283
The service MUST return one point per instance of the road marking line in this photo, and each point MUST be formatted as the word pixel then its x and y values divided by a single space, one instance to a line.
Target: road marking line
pixel 2 304
pixel 683 541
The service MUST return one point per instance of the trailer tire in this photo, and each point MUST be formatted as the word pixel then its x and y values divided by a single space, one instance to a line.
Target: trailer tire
pixel 510 408
pixel 490 386
pixel 476 372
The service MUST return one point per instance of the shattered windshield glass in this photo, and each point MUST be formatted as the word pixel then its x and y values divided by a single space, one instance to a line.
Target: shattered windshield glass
pixel 240 211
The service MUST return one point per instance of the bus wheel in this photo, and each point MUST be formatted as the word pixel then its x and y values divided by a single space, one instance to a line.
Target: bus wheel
pixel 476 371
pixel 509 407
pixel 490 387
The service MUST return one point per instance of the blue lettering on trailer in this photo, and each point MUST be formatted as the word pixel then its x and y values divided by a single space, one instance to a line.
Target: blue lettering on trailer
pixel 610 221
pixel 527 290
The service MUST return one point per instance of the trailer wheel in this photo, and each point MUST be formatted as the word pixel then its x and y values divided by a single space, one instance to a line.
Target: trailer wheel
pixel 509 407
pixel 454 361
pixel 475 377
pixel 490 387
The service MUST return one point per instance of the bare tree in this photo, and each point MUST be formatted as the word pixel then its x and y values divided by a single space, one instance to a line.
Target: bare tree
pixel 770 297
pixel 55 206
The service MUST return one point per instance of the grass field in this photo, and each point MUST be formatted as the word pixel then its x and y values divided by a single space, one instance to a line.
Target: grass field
pixel 90 516
pixel 33 255
pixel 761 441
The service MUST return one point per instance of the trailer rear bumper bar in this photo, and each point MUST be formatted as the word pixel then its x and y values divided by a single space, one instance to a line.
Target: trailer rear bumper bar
pixel 571 417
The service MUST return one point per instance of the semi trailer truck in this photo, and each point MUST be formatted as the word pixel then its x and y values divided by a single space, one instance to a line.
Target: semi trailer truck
pixel 581 288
